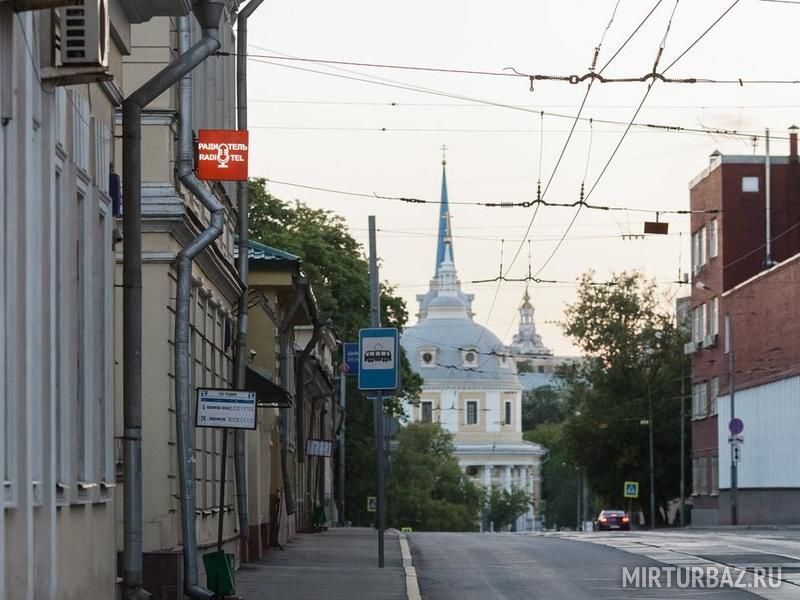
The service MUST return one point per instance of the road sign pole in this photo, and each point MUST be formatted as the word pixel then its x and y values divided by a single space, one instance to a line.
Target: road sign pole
pixel 375 321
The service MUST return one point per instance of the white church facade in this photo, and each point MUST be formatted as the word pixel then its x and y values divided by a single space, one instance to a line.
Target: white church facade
pixel 470 383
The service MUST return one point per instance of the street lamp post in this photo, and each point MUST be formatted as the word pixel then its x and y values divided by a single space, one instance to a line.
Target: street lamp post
pixel 652 472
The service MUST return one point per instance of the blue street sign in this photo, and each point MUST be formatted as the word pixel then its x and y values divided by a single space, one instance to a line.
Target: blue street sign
pixel 736 426
pixel 351 357
pixel 378 367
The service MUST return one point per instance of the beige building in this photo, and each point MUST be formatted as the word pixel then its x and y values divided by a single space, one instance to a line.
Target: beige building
pixel 59 89
pixel 285 485
pixel 470 383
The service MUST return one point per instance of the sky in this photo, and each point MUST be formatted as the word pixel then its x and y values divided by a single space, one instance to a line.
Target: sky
pixel 361 129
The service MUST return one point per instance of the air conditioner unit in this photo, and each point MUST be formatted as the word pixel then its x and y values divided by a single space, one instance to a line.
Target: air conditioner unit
pixel 689 348
pixel 710 340
pixel 84 33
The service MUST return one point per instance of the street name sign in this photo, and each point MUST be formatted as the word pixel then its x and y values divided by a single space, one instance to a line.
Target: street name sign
pixel 631 489
pixel 225 408
pixel 351 357
pixel 378 367
pixel 316 447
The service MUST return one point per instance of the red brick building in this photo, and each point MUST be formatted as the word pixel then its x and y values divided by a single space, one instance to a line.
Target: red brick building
pixel 740 289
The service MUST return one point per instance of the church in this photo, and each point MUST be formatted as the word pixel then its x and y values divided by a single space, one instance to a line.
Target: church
pixel 470 382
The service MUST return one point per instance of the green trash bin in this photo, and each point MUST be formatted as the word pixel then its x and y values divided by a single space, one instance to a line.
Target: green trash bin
pixel 220 569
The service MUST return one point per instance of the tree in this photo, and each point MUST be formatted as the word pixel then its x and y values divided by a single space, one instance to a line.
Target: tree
pixel 542 405
pixel 505 507
pixel 635 355
pixel 338 270
pixel 427 489
pixel 559 477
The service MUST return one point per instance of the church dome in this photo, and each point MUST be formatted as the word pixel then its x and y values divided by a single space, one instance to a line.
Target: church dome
pixel 447 345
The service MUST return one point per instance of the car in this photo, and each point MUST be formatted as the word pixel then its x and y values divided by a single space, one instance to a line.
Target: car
pixel 613 520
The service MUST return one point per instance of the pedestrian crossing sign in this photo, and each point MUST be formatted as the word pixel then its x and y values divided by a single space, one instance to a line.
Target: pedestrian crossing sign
pixel 631 489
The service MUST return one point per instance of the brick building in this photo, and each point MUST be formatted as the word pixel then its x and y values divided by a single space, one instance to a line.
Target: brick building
pixel 742 302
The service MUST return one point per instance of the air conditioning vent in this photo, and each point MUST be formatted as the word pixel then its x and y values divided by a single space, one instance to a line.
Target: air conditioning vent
pixel 689 348
pixel 84 33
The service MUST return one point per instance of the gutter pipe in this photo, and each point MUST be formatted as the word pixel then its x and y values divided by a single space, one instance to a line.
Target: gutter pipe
pixel 243 198
pixel 208 13
pixel 184 426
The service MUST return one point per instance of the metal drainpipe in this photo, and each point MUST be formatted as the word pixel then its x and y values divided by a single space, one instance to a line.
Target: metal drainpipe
pixel 208 13
pixel 183 424
pixel 243 197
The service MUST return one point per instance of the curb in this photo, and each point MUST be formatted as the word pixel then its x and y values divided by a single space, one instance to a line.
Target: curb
pixel 412 586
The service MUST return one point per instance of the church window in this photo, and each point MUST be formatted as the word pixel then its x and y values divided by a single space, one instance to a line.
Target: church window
pixel 508 413
pixel 428 357
pixel 472 412
pixel 469 358
pixel 426 412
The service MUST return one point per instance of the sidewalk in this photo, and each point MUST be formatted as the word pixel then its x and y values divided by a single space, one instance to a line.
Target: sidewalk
pixel 339 564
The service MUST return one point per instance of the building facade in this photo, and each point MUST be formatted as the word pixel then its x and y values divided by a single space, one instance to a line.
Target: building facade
pixel 731 259
pixel 60 87
pixel 470 383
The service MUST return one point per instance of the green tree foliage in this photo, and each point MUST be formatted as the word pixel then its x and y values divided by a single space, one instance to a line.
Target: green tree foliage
pixel 559 477
pixel 427 489
pixel 505 507
pixel 543 405
pixel 634 353
pixel 338 270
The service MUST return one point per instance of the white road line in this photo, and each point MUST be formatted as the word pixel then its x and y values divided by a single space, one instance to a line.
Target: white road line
pixel 412 587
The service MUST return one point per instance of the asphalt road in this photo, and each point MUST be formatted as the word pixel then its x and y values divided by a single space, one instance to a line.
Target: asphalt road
pixel 474 566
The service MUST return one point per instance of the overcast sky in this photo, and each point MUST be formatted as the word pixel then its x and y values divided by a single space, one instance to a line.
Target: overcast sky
pixel 323 125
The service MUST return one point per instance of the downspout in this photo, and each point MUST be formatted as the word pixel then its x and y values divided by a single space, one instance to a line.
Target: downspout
pixel 184 426
pixel 208 13
pixel 243 197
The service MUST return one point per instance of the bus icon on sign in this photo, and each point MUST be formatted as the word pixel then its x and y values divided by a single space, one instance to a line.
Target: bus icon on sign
pixel 377 354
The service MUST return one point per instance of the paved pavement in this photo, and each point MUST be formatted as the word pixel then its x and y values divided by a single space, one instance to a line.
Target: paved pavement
pixel 339 564
pixel 465 566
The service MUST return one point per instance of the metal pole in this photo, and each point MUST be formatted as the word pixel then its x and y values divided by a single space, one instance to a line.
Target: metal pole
pixel 223 475
pixel 652 472
pixel 683 448
pixel 732 378
pixel 767 192
pixel 375 321
pixel 342 446
pixel 243 197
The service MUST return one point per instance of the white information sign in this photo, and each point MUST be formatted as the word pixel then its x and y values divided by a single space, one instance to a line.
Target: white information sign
pixel 225 408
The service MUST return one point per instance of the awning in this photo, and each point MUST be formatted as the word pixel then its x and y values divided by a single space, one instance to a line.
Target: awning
pixel 268 394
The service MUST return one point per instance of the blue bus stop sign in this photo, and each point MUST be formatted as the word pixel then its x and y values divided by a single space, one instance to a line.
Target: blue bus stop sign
pixel 379 362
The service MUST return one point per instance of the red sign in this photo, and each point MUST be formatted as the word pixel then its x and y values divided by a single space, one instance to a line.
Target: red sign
pixel 222 155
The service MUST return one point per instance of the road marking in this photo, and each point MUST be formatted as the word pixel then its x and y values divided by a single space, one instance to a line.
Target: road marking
pixel 412 587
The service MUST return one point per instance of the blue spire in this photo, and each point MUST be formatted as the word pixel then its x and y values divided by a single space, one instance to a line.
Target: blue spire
pixel 445 235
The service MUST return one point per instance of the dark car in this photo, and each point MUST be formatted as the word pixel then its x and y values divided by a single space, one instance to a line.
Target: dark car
pixel 609 520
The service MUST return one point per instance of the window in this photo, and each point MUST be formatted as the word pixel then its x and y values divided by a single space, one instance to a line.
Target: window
pixel 713 316
pixel 713 239
pixel 426 412
pixel 695 476
pixel 702 475
pixel 727 333
pixel 427 357
pixel 699 400
pixel 703 247
pixel 749 184
pixel 472 412
pixel 714 396
pixel 698 323
pixel 508 413
pixel 469 358
pixel 695 253
pixel 715 475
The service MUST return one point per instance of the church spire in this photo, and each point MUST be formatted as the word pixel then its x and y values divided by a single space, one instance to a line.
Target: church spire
pixel 445 237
